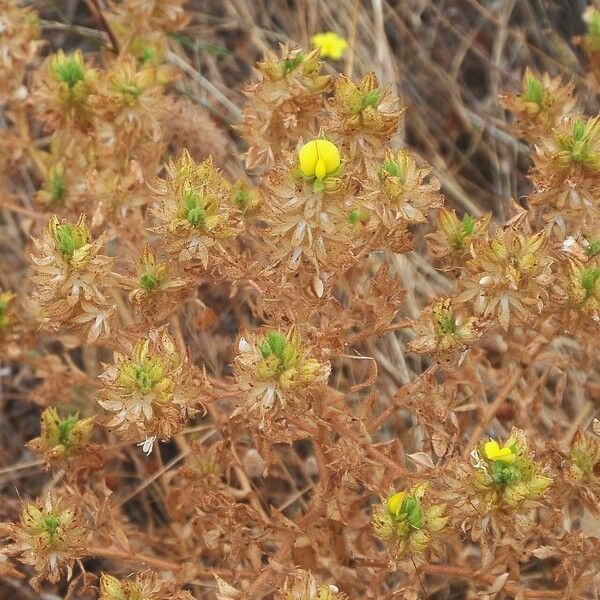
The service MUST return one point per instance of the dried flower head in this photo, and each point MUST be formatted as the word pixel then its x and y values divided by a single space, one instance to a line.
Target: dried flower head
pixel 583 287
pixel 13 333
pixel 408 522
pixel 54 188
pixel 440 331
pixel 566 175
pixel 62 438
pixel 365 116
pixel 591 17
pixel 245 199
pixel 144 586
pixel 507 476
pixel 276 370
pixel 302 585
pixel 284 104
pixel 131 100
pixel 151 390
pixel 18 40
pixel 507 275
pixel 194 213
pixel 154 289
pixel 584 458
pixel 63 93
pixel 153 15
pixel 542 103
pixel 50 537
pixel 307 204
pixel 399 197
pixel 72 276
pixel 454 236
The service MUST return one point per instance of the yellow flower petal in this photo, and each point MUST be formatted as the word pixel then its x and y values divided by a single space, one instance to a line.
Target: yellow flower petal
pixel 308 158
pixel 330 155
pixel 491 449
pixel 319 158
pixel 494 452
pixel 320 170
pixel 330 44
pixel 394 502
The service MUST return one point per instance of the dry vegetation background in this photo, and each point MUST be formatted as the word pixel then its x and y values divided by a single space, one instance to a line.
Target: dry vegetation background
pixel 219 510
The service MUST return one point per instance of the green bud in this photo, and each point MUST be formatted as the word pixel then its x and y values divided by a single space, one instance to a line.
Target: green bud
pixel 146 55
pixel 70 71
pixel 468 224
pixel 65 428
pixel 392 167
pixel 372 98
pixel 578 130
pixel 148 282
pixel 505 474
pixel 414 512
pixel 533 90
pixel 194 211
pixel 51 524
pixel 70 239
pixel 289 64
pixel 448 324
pixel 276 343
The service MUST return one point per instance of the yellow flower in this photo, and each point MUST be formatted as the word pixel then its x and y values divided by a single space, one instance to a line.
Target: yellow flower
pixel 494 452
pixel 394 502
pixel 319 158
pixel 330 44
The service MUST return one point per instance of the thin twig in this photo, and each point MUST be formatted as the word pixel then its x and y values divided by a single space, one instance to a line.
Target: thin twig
pixel 153 561
pixel 94 7
pixel 352 36
pixel 514 589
